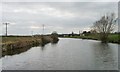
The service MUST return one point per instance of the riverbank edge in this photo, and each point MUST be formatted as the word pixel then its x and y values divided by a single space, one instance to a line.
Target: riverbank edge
pixel 34 41
pixel 116 42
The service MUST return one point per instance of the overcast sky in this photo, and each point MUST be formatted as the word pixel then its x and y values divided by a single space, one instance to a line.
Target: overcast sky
pixel 63 17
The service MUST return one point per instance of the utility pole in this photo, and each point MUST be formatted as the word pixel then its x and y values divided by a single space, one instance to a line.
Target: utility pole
pixel 32 33
pixel 43 28
pixel 79 32
pixel 6 27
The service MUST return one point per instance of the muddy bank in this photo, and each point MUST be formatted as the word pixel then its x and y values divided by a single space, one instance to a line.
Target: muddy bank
pixel 16 43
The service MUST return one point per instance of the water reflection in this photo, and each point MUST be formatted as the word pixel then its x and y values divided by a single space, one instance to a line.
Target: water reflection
pixel 54 44
pixel 42 47
pixel 17 51
pixel 13 52
pixel 104 56
pixel 21 50
pixel 67 54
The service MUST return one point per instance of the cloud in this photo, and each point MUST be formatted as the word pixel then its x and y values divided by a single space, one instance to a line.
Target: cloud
pixel 63 17
pixel 60 0
pixel 34 27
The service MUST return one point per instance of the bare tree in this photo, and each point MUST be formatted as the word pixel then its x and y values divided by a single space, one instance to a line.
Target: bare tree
pixel 105 26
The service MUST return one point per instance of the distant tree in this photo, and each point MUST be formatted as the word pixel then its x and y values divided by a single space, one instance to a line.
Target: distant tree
pixel 104 26
pixel 54 33
pixel 72 33
pixel 93 31
pixel 54 36
pixel 84 32
pixel 89 32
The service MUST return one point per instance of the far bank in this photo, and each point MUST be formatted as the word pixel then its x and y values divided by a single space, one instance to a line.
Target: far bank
pixel 112 38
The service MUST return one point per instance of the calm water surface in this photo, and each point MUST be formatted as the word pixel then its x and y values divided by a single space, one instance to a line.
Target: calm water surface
pixel 67 54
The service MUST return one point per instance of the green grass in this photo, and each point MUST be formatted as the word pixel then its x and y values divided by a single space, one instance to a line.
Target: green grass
pixel 113 38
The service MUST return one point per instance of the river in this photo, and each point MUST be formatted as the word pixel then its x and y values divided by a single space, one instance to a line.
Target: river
pixel 67 54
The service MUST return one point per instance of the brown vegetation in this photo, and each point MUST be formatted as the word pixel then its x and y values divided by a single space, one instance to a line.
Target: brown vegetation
pixel 13 43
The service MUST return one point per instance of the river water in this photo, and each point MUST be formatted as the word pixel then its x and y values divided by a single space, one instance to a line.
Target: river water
pixel 67 54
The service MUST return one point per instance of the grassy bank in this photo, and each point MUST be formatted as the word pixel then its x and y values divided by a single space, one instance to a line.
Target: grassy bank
pixel 112 38
pixel 18 42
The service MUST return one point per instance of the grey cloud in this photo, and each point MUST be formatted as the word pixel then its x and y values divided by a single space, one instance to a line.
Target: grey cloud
pixel 63 17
